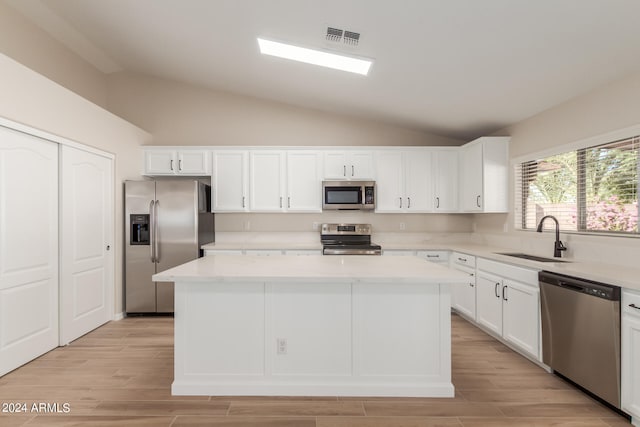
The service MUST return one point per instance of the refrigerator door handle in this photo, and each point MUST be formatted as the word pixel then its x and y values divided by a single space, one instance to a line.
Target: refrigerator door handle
pixel 155 232
pixel 152 237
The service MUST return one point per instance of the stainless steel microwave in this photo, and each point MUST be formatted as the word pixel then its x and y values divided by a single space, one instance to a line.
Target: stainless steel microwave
pixel 348 195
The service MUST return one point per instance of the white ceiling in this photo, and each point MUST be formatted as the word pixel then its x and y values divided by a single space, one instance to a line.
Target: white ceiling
pixel 459 68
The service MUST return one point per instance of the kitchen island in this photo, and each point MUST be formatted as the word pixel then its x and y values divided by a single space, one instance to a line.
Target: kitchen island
pixel 312 326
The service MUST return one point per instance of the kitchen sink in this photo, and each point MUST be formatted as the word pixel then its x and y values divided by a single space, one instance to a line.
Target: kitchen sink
pixel 530 257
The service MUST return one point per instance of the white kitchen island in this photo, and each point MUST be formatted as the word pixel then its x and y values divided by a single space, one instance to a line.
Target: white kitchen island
pixel 312 326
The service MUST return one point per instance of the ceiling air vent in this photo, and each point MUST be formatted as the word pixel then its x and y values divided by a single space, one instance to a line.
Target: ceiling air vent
pixel 337 35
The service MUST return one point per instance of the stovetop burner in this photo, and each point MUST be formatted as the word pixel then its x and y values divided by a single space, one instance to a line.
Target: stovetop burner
pixel 348 239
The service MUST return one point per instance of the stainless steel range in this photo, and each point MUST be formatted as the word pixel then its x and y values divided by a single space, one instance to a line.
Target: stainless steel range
pixel 348 239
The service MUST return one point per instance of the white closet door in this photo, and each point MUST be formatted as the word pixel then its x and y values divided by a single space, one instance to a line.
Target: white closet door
pixel 28 248
pixel 86 252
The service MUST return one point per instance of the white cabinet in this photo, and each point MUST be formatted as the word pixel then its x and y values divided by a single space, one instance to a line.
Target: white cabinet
pixel 229 181
pixel 439 257
pixel 303 252
pixel 484 175
pixel 348 165
pixel 403 181
pixel 176 162
pixel 267 181
pixel 631 354
pixel 508 304
pixel 397 252
pixel 208 252
pixel 463 295
pixel 304 182
pixel 445 180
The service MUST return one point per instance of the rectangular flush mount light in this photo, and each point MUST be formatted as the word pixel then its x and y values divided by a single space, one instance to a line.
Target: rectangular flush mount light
pixel 315 57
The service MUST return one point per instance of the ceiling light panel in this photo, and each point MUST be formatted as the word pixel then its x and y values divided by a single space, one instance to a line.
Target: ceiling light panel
pixel 315 57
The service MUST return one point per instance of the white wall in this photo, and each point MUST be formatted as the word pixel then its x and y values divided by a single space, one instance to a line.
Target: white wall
pixel 32 99
pixel 23 41
pixel 181 114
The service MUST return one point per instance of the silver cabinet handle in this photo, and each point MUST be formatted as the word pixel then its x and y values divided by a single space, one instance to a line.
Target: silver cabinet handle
pixel 344 170
pixel 152 239
pixel 171 165
pixel 634 306
pixel 289 201
pixel 400 202
pixel 504 293
pixel 243 201
pixel 180 164
pixel 437 202
pixel 478 200
pixel 495 289
pixel 352 171
pixel 108 247
pixel 280 201
pixel 462 259
pixel 156 238
pixel 433 256
pixel 408 202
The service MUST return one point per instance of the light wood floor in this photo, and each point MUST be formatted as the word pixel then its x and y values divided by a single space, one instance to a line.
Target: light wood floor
pixel 121 373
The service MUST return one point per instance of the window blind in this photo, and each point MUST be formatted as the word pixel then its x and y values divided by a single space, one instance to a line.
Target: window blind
pixel 593 189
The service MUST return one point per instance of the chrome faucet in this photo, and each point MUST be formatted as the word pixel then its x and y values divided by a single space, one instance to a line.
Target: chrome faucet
pixel 558 247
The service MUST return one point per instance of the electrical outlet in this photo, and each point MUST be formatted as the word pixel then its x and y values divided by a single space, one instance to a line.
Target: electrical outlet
pixel 316 225
pixel 281 344
pixel 402 226
pixel 247 226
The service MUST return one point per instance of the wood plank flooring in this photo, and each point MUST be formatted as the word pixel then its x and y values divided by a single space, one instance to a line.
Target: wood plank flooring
pixel 121 374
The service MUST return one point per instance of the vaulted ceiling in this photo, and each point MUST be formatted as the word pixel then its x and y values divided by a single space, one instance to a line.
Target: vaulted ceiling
pixel 458 68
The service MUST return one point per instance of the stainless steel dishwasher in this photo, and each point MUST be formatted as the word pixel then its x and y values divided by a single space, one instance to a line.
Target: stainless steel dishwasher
pixel 581 332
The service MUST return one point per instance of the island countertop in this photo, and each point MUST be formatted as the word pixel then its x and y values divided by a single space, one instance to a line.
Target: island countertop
pixel 281 268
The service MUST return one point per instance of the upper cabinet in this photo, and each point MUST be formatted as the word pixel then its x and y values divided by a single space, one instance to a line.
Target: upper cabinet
pixel 484 175
pixel 267 180
pixel 229 180
pixel 403 181
pixel 176 162
pixel 348 164
pixel 445 180
pixel 304 181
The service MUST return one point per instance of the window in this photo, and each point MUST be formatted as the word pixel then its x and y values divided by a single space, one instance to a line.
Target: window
pixel 593 189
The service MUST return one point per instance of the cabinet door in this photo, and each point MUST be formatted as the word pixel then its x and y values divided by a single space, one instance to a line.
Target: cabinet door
pixel 521 318
pixel 631 364
pixel 445 176
pixel 390 182
pixel 489 302
pixel 266 181
pixel 229 181
pixel 471 177
pixel 335 165
pixel 360 165
pixel 160 162
pixel 193 162
pixel 28 248
pixel 417 181
pixel 463 295
pixel 304 186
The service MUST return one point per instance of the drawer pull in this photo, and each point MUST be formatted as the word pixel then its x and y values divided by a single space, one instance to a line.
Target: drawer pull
pixel 433 256
pixel 634 306
pixel 462 259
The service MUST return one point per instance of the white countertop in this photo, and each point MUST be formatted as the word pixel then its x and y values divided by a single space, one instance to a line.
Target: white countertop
pixel 623 276
pixel 312 268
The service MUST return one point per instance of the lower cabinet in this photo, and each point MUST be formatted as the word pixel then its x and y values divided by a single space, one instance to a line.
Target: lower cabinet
pixel 508 304
pixel 631 354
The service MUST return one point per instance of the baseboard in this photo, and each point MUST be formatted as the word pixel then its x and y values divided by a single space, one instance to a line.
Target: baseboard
pixel 118 316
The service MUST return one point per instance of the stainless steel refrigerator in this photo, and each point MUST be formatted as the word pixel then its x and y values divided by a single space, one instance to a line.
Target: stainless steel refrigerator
pixel 166 221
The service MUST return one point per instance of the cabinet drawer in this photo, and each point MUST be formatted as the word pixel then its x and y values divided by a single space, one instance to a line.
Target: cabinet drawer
pixel 208 252
pixel 463 259
pixel 434 256
pixel 398 253
pixel 523 275
pixel 631 302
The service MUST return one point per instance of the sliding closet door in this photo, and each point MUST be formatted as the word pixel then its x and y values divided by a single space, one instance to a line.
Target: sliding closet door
pixel 86 252
pixel 28 248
